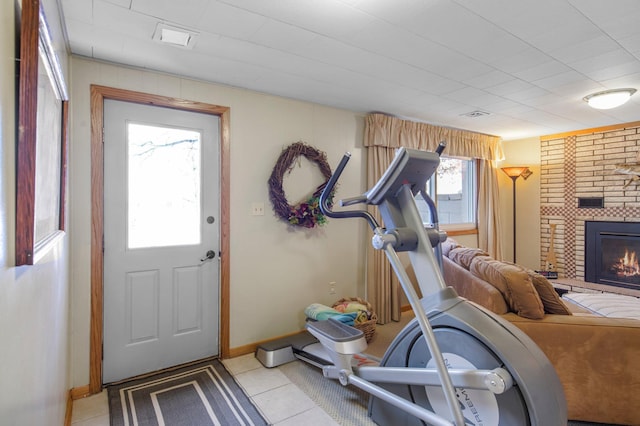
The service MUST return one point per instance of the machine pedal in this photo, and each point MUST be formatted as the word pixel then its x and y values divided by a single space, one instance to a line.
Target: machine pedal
pixel 338 337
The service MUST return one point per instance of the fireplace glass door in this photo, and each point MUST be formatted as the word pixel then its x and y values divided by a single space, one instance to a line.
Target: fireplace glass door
pixel 612 252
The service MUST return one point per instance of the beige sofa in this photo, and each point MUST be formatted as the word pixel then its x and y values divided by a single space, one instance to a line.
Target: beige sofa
pixel 597 359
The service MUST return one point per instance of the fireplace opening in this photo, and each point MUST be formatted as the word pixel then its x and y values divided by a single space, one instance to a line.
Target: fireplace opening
pixel 612 253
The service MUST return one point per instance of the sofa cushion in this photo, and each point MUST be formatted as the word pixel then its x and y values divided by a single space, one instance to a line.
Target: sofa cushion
pixel 464 255
pixel 513 282
pixel 473 288
pixel 550 298
pixel 447 245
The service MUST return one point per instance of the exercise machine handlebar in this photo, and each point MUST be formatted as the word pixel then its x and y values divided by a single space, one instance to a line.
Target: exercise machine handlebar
pixel 325 206
pixel 329 188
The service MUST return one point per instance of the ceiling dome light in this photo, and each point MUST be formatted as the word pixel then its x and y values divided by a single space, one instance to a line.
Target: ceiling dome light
pixel 609 98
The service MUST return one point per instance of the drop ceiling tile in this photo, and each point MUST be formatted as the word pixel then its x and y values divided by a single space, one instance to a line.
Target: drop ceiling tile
pixel 184 12
pixel 517 110
pixel 430 103
pixel 522 61
pixel 491 78
pixel 544 100
pixel 80 37
pixel 523 19
pixel 625 115
pixel 252 54
pixel 467 95
pixel 615 71
pixel 612 64
pixel 122 3
pixel 428 82
pixel 331 51
pixel 619 19
pixel 543 117
pixel 78 10
pixel 219 18
pixel 229 72
pixel 578 89
pixel 527 94
pixel 328 17
pixel 500 105
pixel 542 71
pixel 390 12
pixel 113 52
pixel 629 80
pixel 470 34
pixel 388 41
pixel 433 24
pixel 631 44
pixel 450 64
pixel 585 49
pixel 570 33
pixel 372 88
pixel 408 76
pixel 282 36
pixel 123 21
pixel 558 80
pixel 513 86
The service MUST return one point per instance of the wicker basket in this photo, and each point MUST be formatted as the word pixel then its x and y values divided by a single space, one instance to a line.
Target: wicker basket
pixel 367 327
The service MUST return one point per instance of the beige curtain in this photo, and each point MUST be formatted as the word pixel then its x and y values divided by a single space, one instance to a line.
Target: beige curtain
pixel 488 208
pixel 382 136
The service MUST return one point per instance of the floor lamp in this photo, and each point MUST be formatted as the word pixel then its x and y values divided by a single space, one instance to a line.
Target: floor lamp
pixel 514 173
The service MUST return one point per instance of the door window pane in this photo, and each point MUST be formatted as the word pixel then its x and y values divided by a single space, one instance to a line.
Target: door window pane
pixel 163 186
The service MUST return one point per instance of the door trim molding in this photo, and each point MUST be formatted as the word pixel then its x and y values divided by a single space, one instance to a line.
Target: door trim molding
pixel 98 95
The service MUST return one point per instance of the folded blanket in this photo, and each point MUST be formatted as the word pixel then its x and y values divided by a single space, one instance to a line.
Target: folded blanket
pixel 350 307
pixel 320 312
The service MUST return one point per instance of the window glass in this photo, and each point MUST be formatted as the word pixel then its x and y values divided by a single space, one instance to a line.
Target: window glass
pixel 454 189
pixel 163 207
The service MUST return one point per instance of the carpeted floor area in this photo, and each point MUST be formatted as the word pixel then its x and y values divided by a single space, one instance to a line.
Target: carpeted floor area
pixel 386 333
pixel 348 405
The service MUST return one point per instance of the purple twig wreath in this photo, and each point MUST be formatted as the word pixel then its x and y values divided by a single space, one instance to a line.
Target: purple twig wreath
pixel 307 213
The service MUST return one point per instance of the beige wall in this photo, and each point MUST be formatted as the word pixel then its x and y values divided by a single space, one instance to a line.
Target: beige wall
pixel 34 300
pixel 523 152
pixel 276 271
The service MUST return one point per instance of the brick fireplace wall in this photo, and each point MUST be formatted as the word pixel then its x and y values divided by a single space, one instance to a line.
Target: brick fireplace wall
pixel 581 165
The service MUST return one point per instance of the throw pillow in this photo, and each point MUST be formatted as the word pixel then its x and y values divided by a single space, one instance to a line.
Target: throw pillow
pixel 464 255
pixel 550 298
pixel 513 282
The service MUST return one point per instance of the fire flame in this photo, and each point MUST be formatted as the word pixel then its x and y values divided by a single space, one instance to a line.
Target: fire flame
pixel 627 266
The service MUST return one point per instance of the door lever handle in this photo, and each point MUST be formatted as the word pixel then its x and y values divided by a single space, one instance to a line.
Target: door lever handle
pixel 210 255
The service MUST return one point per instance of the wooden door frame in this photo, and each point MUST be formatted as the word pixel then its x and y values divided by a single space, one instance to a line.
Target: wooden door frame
pixel 98 96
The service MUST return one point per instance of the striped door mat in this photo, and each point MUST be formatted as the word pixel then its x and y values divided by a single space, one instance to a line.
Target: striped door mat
pixel 198 395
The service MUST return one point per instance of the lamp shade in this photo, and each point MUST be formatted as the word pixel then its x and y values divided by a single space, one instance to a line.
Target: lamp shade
pixel 609 98
pixel 514 171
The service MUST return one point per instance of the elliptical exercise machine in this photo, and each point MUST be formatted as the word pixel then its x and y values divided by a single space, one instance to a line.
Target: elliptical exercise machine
pixel 456 363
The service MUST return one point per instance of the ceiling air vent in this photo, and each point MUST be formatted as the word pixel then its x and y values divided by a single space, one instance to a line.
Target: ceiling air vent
pixel 475 114
pixel 175 36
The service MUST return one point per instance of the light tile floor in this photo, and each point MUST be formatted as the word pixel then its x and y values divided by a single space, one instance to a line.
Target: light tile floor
pixel 281 402
pixel 91 411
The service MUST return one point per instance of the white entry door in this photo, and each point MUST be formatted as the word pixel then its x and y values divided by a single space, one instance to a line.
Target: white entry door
pixel 161 238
